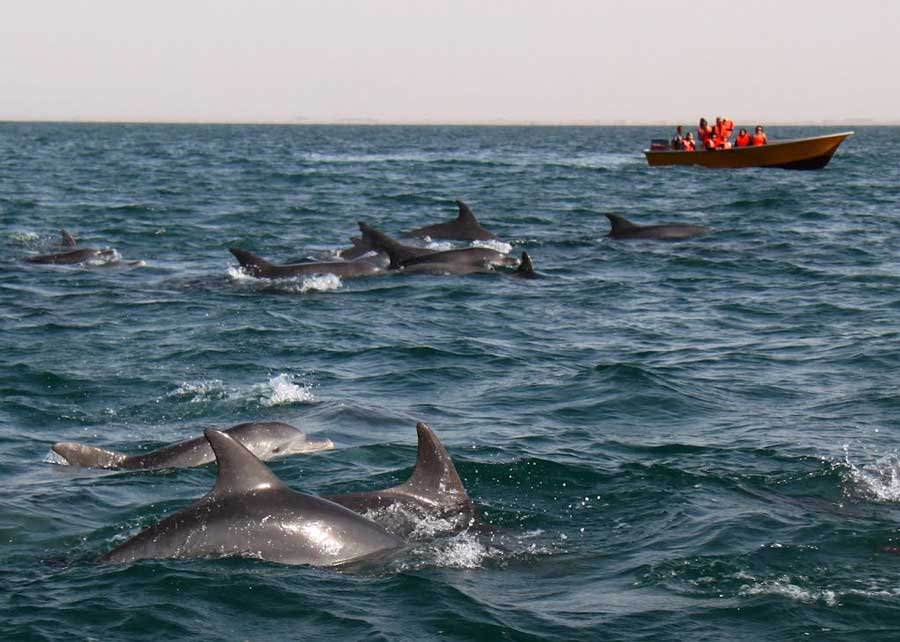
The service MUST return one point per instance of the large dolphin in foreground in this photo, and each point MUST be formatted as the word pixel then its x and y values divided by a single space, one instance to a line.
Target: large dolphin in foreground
pixel 252 513
pixel 72 256
pixel 433 491
pixel 260 268
pixel 622 228
pixel 465 227
pixel 265 439
pixel 471 259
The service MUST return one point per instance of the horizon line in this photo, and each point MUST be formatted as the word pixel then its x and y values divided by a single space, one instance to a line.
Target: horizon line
pixel 836 122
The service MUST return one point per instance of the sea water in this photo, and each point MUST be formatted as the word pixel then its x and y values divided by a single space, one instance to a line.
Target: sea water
pixel 691 440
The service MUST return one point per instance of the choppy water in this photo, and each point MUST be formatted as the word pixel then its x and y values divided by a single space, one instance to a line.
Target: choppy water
pixel 684 440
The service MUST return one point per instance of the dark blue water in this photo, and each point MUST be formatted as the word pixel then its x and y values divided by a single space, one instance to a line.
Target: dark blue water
pixel 692 440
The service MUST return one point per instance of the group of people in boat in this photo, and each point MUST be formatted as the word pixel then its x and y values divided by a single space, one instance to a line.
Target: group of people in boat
pixel 711 138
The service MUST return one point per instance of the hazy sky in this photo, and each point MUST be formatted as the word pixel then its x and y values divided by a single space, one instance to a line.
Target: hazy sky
pixel 449 61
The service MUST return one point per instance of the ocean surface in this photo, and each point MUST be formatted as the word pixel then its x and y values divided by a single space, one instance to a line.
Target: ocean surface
pixel 692 440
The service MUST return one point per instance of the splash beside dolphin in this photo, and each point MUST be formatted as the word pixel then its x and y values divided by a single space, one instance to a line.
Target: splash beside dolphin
pixel 265 439
pixel 251 513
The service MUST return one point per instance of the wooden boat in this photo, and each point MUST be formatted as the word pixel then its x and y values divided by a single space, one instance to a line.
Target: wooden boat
pixel 799 153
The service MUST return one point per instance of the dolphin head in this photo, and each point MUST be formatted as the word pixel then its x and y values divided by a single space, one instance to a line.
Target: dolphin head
pixel 270 439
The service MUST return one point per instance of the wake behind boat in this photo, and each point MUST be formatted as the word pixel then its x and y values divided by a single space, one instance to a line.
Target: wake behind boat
pixel 799 153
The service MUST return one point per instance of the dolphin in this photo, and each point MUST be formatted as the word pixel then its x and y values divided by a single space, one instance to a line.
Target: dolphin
pixel 71 256
pixel 465 227
pixel 250 512
pixel 434 490
pixel 265 439
pixel 402 258
pixel 526 268
pixel 262 269
pixel 622 228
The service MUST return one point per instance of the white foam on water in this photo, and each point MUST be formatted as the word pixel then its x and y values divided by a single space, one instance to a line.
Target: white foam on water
pixel 494 244
pixel 318 283
pixel 281 390
pixel 199 391
pixel 437 246
pixel 784 587
pixel 297 285
pixel 879 481
pixel 111 258
pixel 23 238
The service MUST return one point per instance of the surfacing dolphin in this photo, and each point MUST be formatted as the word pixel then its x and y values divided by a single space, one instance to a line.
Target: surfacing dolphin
pixel 262 269
pixel 402 258
pixel 622 228
pixel 72 256
pixel 434 491
pixel 465 227
pixel 265 439
pixel 252 513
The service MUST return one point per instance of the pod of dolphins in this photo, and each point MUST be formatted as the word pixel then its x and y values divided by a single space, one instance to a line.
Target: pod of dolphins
pixel 250 512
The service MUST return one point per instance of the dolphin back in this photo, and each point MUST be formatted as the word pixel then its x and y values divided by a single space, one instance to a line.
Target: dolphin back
pixel 88 456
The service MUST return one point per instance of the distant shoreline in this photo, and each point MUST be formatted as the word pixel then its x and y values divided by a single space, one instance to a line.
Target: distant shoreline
pixel 862 122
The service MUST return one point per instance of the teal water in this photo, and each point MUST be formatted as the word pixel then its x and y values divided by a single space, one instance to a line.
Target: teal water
pixel 693 440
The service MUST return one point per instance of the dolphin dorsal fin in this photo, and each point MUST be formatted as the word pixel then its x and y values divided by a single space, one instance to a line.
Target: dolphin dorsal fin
pixel 254 265
pixel 240 471
pixel 67 239
pixel 381 241
pixel 435 478
pixel 465 214
pixel 526 268
pixel 619 224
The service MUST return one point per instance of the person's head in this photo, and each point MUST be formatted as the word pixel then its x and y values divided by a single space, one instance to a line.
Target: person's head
pixel 690 136
pixel 759 129
pixel 679 129
pixel 703 122
pixel 743 132
pixel 718 120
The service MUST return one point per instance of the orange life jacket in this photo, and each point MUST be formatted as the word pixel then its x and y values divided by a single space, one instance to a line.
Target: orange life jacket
pixel 759 139
pixel 703 133
pixel 689 145
pixel 709 142
pixel 742 141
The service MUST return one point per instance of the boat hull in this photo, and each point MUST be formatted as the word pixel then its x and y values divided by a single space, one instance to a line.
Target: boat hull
pixel 801 153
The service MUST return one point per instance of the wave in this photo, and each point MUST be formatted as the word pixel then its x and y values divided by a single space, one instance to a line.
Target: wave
pixel 294 285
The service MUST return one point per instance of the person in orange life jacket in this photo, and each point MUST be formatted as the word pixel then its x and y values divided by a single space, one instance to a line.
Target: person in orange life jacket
pixel 704 131
pixel 724 129
pixel 743 139
pixel 689 144
pixel 759 138
pixel 678 140
pixel 709 143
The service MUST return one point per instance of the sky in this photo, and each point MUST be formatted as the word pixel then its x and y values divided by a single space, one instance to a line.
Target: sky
pixel 451 61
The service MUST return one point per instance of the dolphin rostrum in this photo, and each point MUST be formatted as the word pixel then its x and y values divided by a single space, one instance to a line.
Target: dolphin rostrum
pixel 265 439
pixel 252 513
pixel 402 258
pixel 434 490
pixel 260 268
pixel 465 227
pixel 622 228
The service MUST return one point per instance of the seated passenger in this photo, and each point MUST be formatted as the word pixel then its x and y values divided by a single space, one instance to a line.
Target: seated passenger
pixel 743 139
pixel 724 129
pixel 709 143
pixel 759 138
pixel 689 144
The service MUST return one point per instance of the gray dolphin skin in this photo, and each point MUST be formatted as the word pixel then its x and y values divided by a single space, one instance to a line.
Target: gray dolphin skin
pixel 262 269
pixel 434 490
pixel 465 227
pixel 401 258
pixel 622 228
pixel 251 513
pixel 71 257
pixel 526 268
pixel 265 439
